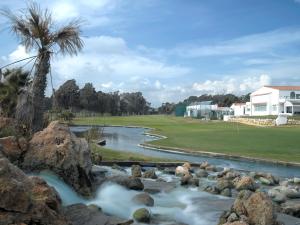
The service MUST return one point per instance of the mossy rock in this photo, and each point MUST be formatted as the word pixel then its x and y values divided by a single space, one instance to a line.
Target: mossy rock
pixel 142 215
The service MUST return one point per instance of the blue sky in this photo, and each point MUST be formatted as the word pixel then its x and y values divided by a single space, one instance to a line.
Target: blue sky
pixel 172 49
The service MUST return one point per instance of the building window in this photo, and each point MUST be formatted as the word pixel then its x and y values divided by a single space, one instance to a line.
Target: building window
pixel 289 109
pixel 260 107
pixel 292 95
pixel 297 96
pixel 274 107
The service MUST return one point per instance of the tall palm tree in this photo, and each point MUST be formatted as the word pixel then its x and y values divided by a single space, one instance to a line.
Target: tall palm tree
pixel 36 31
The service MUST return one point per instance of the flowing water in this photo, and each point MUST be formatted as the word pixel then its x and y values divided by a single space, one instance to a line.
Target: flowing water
pixel 128 139
pixel 185 205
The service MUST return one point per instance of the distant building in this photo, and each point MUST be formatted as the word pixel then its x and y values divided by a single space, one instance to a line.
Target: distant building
pixel 274 100
pixel 270 100
pixel 207 110
pixel 241 109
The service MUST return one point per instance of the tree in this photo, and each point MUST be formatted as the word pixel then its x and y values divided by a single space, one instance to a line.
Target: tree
pixel 10 86
pixel 67 95
pixel 35 29
pixel 88 97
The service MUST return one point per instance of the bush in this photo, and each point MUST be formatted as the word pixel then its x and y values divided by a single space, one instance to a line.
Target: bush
pixel 7 131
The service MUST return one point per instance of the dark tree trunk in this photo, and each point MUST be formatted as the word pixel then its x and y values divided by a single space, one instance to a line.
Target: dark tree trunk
pixel 38 89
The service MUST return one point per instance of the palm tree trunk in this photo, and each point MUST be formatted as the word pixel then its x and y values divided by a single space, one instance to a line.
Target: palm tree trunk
pixel 38 89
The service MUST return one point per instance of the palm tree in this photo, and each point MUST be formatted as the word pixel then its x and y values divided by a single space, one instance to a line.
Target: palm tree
pixel 35 30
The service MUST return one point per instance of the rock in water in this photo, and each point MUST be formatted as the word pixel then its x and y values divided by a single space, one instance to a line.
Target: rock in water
pixel 144 199
pixel 150 174
pixel 136 171
pixel 80 214
pixel 27 200
pixel 246 183
pixel 251 208
pixel 56 148
pixel 142 215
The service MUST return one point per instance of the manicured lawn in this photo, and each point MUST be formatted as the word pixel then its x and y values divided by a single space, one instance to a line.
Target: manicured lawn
pixel 277 143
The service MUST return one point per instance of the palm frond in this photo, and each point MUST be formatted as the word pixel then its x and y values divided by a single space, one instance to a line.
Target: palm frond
pixel 68 38
pixel 20 28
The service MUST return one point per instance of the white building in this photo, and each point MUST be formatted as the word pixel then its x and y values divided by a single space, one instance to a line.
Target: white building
pixel 274 100
pixel 241 109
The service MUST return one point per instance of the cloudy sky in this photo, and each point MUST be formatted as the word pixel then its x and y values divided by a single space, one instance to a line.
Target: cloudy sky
pixel 172 49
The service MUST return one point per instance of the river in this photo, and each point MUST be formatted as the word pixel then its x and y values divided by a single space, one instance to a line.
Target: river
pixel 129 138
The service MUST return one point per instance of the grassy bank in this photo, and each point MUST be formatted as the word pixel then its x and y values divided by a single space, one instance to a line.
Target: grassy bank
pixel 112 155
pixel 276 143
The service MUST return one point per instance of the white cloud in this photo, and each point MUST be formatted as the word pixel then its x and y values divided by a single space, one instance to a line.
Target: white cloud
pixel 232 85
pixel 18 54
pixel 105 57
pixel 261 42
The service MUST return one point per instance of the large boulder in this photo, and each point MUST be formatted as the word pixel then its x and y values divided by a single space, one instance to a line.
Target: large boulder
pixel 256 206
pixel 56 148
pixel 27 200
pixel 13 148
pixel 260 210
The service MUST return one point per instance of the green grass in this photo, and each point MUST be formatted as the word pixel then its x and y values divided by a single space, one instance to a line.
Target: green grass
pixel 112 155
pixel 275 143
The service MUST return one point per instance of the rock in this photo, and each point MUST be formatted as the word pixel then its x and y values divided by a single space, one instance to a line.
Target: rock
pixel 142 215
pixel 157 186
pixel 187 165
pixel 150 174
pixel 136 171
pixel 201 173
pixel 181 171
pixel 296 180
pixel 291 208
pixel 13 148
pixel 170 171
pixel 236 223
pixel 57 149
pixel 265 178
pixel 226 192
pixel 232 175
pixel 211 189
pixel 80 214
pixel 117 167
pixel 277 196
pixel 246 183
pixel 133 183
pixel 186 179
pixel 265 181
pixel 257 206
pixel 27 200
pixel 232 217
pixel 204 165
pixel 289 192
pixel 211 168
pixel 223 184
pixel 260 210
pixel 144 199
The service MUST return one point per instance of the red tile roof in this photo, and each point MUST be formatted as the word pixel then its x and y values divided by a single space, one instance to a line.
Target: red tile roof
pixel 285 88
